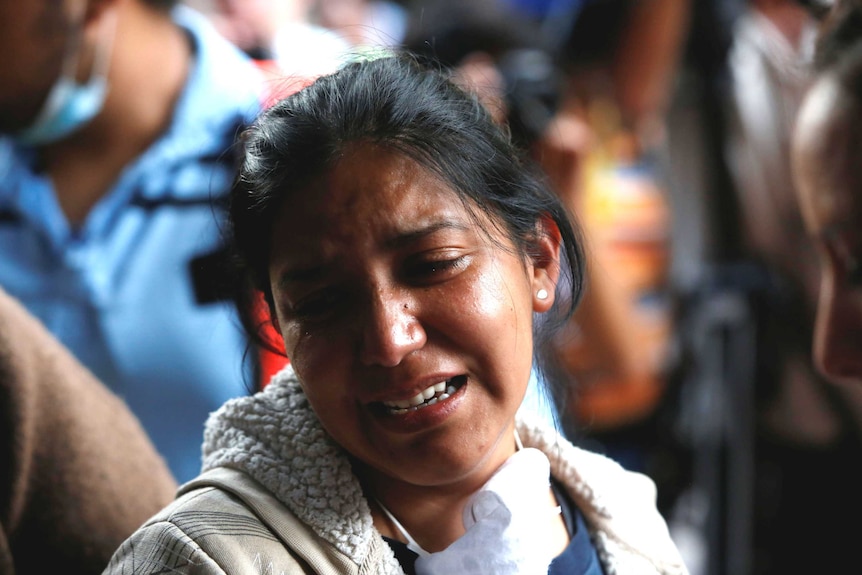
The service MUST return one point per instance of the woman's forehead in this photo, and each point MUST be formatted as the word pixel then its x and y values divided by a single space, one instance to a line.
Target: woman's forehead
pixel 372 193
pixel 365 179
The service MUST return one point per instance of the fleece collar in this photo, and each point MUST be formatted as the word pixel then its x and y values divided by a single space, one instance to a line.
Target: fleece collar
pixel 275 437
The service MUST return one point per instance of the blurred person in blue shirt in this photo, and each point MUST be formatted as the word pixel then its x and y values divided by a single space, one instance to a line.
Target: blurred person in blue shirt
pixel 117 119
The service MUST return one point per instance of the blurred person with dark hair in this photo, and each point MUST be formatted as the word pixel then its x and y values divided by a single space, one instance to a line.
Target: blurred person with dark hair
pixel 77 472
pixel 827 156
pixel 805 430
pixel 117 120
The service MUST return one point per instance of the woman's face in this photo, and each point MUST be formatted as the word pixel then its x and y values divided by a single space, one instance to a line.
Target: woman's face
pixel 827 155
pixel 387 295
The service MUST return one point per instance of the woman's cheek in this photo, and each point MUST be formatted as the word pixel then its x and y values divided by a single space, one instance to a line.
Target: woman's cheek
pixel 303 347
pixel 495 297
pixel 290 333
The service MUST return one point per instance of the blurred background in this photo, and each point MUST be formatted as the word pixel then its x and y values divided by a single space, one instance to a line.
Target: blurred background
pixel 664 125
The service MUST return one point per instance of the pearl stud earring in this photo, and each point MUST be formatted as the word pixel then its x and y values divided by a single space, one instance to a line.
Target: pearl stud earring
pixel 542 294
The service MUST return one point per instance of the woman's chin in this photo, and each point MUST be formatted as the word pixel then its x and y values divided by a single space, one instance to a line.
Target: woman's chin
pixel 445 462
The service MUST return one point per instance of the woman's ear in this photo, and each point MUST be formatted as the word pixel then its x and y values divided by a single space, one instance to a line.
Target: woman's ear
pixel 545 263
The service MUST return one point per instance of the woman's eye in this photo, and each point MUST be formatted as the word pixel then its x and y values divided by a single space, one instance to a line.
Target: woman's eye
pixel 317 306
pixel 436 269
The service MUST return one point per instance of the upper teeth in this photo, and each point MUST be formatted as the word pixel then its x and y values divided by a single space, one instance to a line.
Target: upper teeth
pixel 419 398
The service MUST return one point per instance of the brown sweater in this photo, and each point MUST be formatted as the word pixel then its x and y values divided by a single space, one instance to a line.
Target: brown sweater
pixel 78 474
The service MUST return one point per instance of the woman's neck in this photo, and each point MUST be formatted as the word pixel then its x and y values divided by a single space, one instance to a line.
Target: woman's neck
pixel 444 513
pixel 433 515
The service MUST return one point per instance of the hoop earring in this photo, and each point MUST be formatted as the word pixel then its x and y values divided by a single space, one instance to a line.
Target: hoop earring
pixel 542 294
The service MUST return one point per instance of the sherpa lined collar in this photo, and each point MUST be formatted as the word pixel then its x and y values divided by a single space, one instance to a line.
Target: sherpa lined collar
pixel 275 438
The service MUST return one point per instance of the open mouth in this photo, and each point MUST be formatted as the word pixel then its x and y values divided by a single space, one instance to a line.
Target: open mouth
pixel 431 395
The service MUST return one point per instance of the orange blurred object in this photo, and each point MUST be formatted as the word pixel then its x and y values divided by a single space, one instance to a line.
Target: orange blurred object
pixel 616 347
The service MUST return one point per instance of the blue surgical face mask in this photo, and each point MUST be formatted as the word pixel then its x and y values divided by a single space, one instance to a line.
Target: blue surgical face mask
pixel 70 105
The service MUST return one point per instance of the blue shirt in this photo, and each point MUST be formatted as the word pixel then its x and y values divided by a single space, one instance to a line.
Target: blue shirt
pixel 128 292
pixel 580 556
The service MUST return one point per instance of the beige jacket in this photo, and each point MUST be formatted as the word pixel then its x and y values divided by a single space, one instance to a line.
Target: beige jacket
pixel 278 496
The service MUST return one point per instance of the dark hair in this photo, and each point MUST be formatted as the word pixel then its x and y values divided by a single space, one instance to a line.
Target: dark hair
pixel 396 103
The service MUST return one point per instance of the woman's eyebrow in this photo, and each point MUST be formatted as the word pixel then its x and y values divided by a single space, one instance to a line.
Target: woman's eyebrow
pixel 301 275
pixel 412 236
pixel 314 272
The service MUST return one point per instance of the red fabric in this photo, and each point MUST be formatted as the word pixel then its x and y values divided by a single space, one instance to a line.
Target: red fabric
pixel 271 360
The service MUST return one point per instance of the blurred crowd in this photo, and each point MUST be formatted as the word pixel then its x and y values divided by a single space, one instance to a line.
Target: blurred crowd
pixel 665 125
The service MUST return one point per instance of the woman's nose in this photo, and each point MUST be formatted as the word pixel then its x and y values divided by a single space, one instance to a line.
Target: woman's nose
pixel 390 330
